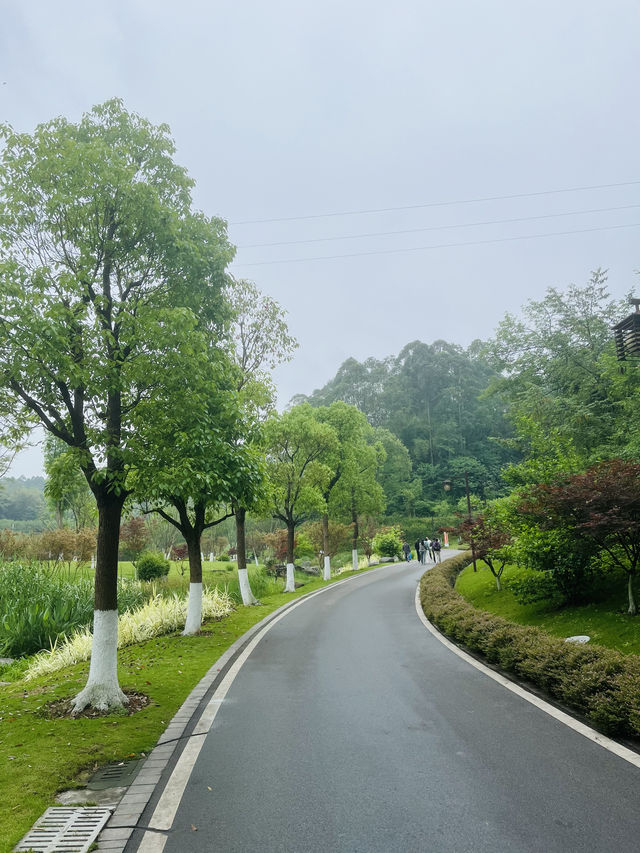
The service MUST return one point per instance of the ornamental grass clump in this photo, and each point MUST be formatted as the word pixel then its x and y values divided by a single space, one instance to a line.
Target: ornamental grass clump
pixel 161 615
pixel 38 609
pixel 602 684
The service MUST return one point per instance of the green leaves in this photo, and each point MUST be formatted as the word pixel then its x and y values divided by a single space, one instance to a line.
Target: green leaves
pixel 297 443
pixel 104 274
pixel 556 369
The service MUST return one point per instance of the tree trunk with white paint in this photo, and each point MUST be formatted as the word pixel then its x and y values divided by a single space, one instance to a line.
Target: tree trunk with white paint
pixel 632 601
pixel 102 690
pixel 290 585
pixel 326 575
pixel 356 532
pixel 248 598
pixel 193 622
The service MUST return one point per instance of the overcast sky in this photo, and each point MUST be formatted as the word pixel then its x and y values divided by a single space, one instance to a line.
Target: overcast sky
pixel 339 119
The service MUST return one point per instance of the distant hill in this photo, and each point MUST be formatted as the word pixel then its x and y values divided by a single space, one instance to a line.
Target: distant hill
pixel 22 502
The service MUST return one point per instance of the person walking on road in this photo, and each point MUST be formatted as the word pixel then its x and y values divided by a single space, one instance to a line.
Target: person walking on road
pixel 422 551
pixel 427 545
pixel 417 546
pixel 406 550
pixel 436 547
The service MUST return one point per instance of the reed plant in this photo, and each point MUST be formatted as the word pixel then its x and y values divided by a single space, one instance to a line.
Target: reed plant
pixel 38 607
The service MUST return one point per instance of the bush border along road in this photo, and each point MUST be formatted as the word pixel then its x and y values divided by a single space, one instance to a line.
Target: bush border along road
pixel 598 683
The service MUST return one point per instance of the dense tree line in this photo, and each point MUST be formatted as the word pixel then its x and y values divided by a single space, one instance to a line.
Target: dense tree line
pixel 432 398
pixel 115 336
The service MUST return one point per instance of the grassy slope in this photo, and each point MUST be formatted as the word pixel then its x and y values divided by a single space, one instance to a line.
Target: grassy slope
pixel 605 621
pixel 39 757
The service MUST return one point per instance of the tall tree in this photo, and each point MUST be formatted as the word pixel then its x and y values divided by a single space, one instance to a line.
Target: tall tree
pixel 394 475
pixel 259 340
pixel 296 444
pixel 551 366
pixel 351 428
pixel 104 268
pixel 358 493
pixel 197 461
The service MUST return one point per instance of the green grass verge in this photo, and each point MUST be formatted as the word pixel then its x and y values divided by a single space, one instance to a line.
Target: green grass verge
pixel 605 620
pixel 40 756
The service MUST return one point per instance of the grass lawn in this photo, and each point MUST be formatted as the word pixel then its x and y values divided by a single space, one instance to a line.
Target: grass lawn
pixel 605 620
pixel 178 573
pixel 40 756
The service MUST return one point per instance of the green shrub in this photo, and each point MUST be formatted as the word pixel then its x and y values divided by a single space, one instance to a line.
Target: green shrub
pixel 534 587
pixel 151 565
pixel 600 683
pixel 223 558
pixel 567 566
pixel 388 544
pixel 304 547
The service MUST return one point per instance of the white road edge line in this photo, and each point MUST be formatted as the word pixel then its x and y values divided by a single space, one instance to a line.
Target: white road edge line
pixel 592 735
pixel 167 806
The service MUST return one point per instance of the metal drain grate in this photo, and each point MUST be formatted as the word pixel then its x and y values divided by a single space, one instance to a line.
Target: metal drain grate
pixel 114 775
pixel 64 830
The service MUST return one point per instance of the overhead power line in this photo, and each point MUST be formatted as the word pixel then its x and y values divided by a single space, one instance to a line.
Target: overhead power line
pixel 435 204
pixel 439 246
pixel 438 227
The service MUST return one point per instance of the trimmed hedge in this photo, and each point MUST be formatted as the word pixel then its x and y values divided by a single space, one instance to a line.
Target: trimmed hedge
pixel 599 683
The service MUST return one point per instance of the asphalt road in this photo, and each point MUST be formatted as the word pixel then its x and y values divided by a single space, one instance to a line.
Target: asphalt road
pixel 351 728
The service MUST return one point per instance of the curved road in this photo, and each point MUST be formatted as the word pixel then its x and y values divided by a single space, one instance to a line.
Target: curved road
pixel 351 729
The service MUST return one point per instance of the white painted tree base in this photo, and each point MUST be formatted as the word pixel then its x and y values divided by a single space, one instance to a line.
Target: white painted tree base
pixel 193 622
pixel 327 569
pixel 290 586
pixel 102 690
pixel 248 597
pixel 354 559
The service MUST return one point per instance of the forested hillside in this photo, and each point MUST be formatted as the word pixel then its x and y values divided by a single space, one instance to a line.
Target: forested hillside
pixel 431 397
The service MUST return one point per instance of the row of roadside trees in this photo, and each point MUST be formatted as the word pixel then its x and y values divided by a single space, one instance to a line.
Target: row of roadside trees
pixel 124 336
